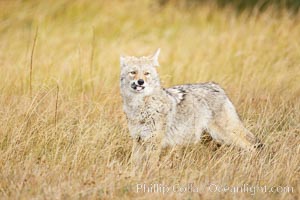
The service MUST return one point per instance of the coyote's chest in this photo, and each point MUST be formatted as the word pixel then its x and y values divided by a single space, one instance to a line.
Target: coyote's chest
pixel 147 115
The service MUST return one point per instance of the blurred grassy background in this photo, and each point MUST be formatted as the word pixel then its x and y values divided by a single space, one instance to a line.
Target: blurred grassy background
pixel 68 138
pixel 240 5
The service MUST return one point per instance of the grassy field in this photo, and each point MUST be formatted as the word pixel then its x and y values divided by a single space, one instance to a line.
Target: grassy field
pixel 63 134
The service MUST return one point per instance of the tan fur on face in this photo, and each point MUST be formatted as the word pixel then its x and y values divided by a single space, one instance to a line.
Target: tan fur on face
pixel 140 75
pixel 136 77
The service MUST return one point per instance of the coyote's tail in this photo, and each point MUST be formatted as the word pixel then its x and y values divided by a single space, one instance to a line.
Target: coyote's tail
pixel 246 139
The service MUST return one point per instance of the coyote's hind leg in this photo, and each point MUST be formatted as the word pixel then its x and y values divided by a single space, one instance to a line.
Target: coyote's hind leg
pixel 227 127
pixel 237 135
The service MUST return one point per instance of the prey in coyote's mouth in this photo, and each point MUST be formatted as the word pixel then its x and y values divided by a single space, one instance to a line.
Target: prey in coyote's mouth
pixel 136 87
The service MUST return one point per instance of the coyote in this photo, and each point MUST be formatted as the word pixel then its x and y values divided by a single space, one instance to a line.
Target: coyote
pixel 180 114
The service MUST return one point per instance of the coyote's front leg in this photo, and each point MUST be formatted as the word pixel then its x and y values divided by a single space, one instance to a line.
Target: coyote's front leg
pixel 137 153
pixel 146 153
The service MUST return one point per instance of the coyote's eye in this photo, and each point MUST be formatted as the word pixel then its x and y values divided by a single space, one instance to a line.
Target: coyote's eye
pixel 132 73
pixel 146 73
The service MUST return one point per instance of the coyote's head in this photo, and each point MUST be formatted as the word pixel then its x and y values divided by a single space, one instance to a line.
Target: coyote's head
pixel 138 74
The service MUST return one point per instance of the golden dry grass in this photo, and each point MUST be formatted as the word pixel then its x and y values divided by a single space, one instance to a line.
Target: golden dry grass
pixel 69 140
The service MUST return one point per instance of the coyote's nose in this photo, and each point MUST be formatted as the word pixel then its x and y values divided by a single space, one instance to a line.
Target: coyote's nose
pixel 140 81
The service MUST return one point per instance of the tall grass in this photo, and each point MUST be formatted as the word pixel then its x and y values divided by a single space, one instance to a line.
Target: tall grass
pixel 70 139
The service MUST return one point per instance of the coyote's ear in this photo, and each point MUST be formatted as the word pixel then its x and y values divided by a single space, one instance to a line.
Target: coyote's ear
pixel 122 61
pixel 155 57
